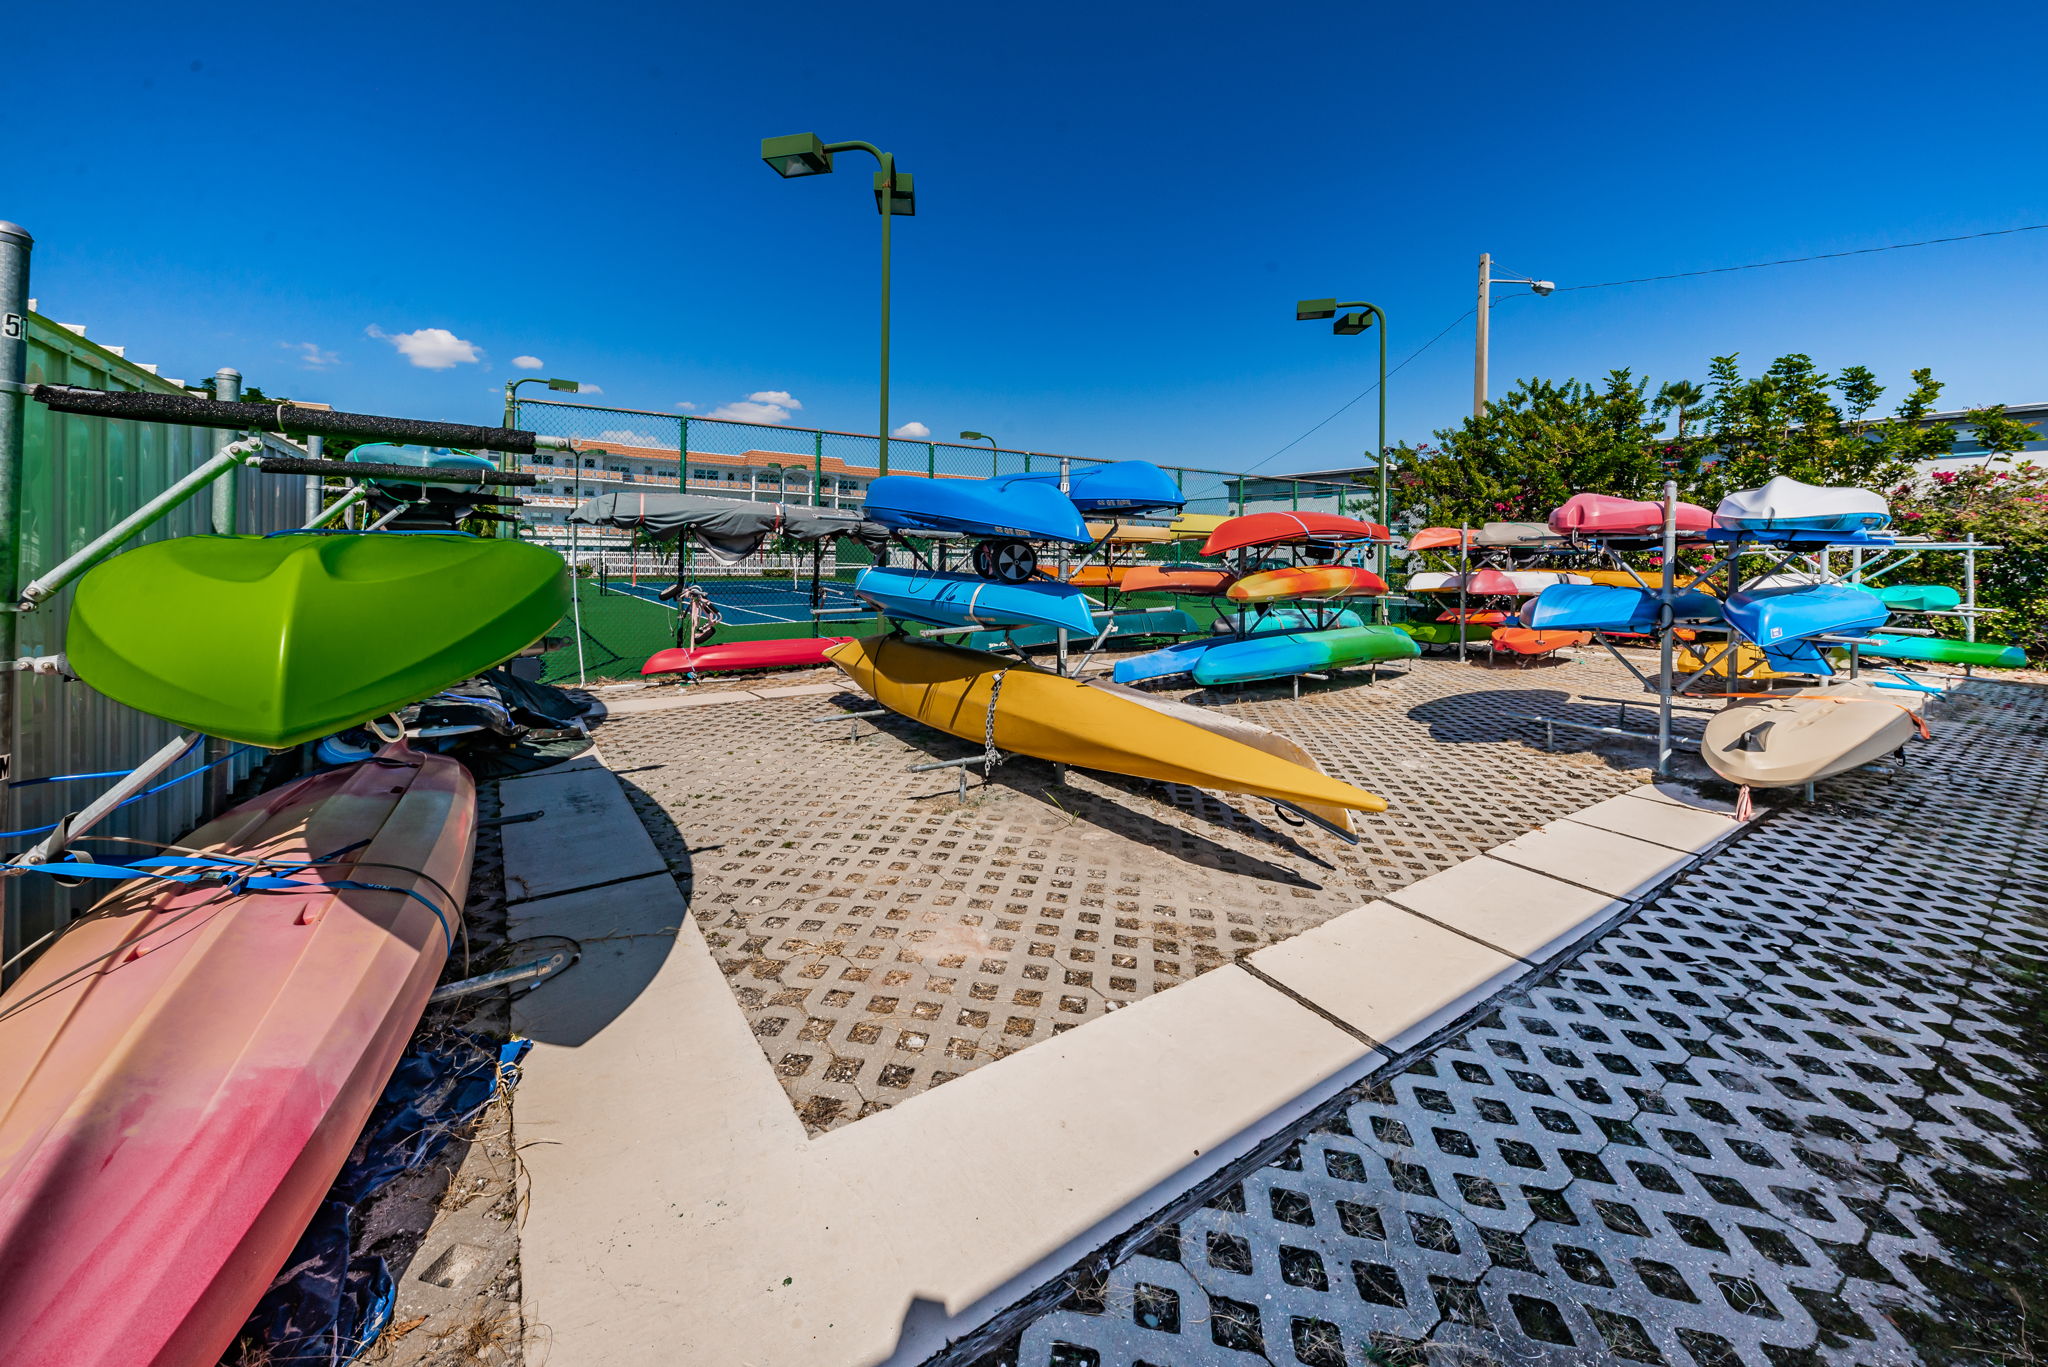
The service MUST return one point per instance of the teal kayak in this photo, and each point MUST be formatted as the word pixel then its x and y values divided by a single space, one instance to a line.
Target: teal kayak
pixel 1147 622
pixel 275 640
pixel 1920 597
pixel 1939 651
pixel 1279 657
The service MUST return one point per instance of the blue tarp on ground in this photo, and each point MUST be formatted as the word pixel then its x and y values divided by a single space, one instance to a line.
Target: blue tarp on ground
pixel 327 1305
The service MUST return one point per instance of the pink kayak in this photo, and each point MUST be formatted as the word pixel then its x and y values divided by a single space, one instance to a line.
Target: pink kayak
pixel 183 1072
pixel 1602 513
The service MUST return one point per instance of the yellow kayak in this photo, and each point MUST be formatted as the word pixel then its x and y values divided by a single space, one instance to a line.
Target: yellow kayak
pixel 1130 534
pixel 1195 526
pixel 1632 579
pixel 1067 721
pixel 1717 656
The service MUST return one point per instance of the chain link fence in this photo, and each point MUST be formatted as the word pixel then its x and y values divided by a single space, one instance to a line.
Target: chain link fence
pixel 621 616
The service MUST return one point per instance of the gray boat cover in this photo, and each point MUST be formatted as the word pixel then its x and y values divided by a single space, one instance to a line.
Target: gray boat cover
pixel 731 529
pixel 1514 534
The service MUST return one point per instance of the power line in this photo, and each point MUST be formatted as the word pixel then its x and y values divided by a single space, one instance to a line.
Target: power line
pixel 1648 279
pixel 1795 260
pixel 1367 390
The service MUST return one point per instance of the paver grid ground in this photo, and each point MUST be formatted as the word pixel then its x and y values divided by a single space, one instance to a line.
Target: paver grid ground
pixel 884 937
pixel 1714 1137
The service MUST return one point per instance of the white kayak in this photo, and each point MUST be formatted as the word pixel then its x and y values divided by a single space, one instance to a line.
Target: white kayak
pixel 1807 734
pixel 1785 504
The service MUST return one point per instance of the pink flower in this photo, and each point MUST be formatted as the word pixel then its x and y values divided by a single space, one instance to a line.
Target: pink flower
pixel 1915 516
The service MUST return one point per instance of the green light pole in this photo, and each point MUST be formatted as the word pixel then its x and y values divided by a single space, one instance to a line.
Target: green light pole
pixel 1350 325
pixel 994 460
pixel 802 154
pixel 512 393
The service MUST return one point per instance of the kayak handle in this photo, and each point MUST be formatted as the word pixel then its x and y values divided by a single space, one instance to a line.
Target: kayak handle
pixel 411 474
pixel 287 418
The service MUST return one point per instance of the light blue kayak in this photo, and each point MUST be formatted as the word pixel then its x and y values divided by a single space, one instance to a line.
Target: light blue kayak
pixel 968 600
pixel 1606 607
pixel 1146 622
pixel 1920 597
pixel 1252 658
pixel 1124 486
pixel 1015 506
pixel 1781 620
pixel 1293 619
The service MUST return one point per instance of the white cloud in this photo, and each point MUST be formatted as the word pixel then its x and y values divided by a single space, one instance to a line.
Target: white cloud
pixel 590 389
pixel 310 356
pixel 528 362
pixel 912 429
pixel 623 436
pixel 767 405
pixel 430 348
pixel 687 407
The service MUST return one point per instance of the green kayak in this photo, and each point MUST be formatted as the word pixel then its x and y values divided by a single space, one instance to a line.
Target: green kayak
pixel 1446 633
pixel 274 640
pixel 1939 651
pixel 1919 597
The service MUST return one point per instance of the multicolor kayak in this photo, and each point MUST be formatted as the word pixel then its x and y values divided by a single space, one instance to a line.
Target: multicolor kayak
pixel 726 656
pixel 183 1072
pixel 1177 579
pixel 1492 583
pixel 966 600
pixel 274 640
pixel 1253 658
pixel 1307 581
pixel 1785 504
pixel 1287 529
pixel 1939 651
pixel 1067 721
pixel 1437 538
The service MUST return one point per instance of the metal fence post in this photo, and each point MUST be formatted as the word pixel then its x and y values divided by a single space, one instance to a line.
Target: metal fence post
pixel 227 490
pixel 817 471
pixel 1970 589
pixel 316 447
pixel 15 244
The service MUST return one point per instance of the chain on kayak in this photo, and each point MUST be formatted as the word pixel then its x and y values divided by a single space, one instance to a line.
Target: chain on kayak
pixel 991 757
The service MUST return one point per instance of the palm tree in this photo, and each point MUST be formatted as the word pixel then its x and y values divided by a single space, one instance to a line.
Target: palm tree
pixel 1683 395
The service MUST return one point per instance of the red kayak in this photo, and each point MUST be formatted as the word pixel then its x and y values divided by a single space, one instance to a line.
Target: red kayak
pixel 1600 514
pixel 1436 538
pixel 1175 579
pixel 1279 529
pixel 793 653
pixel 184 1070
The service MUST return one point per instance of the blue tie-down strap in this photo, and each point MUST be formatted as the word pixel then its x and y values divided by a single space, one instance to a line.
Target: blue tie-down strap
pixel 331 1301
pixel 235 876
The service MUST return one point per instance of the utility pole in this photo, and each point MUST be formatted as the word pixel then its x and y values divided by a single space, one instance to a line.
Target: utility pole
pixel 1486 284
pixel 1479 362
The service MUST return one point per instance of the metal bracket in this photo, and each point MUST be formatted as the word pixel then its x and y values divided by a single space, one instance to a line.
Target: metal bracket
pixel 537 968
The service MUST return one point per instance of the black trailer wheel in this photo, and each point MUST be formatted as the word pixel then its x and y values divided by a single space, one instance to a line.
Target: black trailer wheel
pixel 1009 562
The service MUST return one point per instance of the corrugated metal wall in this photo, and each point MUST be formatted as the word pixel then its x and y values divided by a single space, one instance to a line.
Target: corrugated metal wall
pixel 81 474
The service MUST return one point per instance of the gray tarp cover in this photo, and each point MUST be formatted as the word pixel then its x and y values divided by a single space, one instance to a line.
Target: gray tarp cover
pixel 731 529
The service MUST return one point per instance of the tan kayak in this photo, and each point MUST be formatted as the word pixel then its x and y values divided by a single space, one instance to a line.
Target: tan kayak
pixel 1807 734
pixel 1130 534
pixel 1067 721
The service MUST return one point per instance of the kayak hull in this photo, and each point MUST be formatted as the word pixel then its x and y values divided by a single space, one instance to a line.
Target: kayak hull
pixel 1160 579
pixel 967 600
pixel 1255 658
pixel 275 640
pixel 1781 620
pixel 1602 515
pixel 733 655
pixel 1599 607
pixel 1138 622
pixel 1123 486
pixel 182 1074
pixel 1307 581
pixel 1022 510
pixel 1807 735
pixel 1528 641
pixel 1447 633
pixel 1784 504
pixel 1041 714
pixel 1920 597
pixel 1936 650
pixel 1282 529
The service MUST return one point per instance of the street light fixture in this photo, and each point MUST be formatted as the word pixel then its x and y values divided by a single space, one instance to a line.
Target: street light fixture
pixel 1487 280
pixel 802 154
pixel 1350 325
pixel 994 459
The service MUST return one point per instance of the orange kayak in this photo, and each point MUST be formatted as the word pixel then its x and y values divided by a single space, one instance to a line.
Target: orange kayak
pixel 1088 576
pixel 183 1072
pixel 1280 529
pixel 1307 581
pixel 1175 579
pixel 1526 641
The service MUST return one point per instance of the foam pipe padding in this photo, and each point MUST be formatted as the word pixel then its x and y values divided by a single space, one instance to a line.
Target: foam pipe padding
pixel 410 474
pixel 289 419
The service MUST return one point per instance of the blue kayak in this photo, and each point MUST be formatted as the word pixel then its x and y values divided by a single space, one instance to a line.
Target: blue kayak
pixel 1294 619
pixel 968 600
pixel 1253 658
pixel 1144 622
pixel 1124 486
pixel 1024 508
pixel 1604 607
pixel 422 457
pixel 1782 620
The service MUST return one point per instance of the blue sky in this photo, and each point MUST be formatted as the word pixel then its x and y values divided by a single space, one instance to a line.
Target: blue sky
pixel 1118 204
